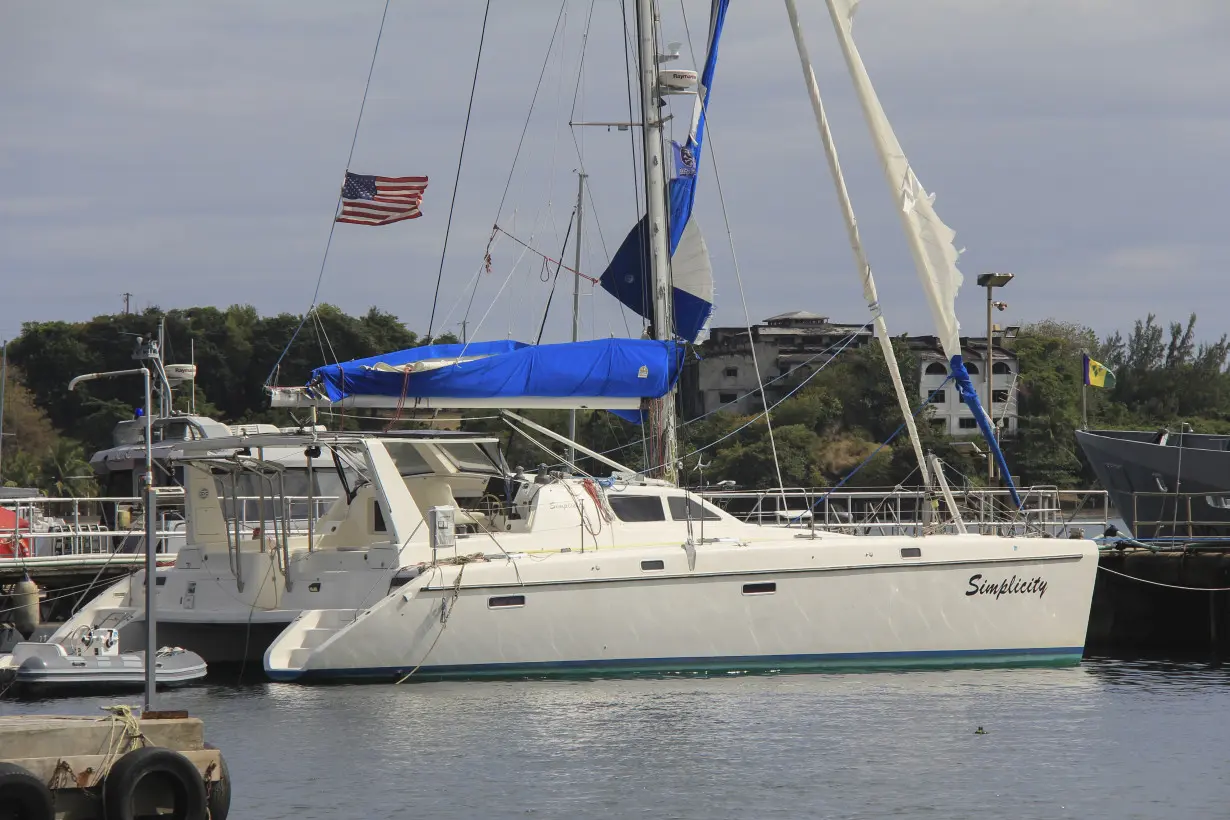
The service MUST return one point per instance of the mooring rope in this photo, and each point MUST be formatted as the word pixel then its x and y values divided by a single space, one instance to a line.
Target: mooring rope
pixel 1160 584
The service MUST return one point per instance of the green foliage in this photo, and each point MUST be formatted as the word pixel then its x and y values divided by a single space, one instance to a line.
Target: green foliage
pixel 832 422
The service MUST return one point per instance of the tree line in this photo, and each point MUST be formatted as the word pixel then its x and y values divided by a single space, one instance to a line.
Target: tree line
pixel 837 421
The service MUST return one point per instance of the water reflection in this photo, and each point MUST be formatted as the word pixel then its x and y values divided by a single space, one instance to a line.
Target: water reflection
pixel 1111 738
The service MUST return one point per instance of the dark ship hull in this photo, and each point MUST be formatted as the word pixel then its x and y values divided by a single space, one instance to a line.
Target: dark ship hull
pixel 1164 484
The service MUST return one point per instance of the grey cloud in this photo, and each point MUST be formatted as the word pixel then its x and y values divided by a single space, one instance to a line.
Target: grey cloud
pixel 190 153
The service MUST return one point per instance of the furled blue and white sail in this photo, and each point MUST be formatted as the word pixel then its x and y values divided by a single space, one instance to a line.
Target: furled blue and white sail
pixel 930 240
pixel 627 277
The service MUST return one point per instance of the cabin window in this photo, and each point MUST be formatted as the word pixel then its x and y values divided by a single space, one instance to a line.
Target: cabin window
pixel 683 508
pixel 651 565
pixel 505 601
pixel 911 552
pixel 637 507
pixel 1001 369
pixel 378 524
pixel 763 588
pixel 967 424
pixel 936 369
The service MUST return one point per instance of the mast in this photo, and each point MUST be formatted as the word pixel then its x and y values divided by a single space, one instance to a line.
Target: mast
pixel 576 307
pixel 856 243
pixel 663 448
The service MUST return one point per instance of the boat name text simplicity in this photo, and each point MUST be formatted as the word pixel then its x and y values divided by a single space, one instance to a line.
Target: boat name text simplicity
pixel 1010 586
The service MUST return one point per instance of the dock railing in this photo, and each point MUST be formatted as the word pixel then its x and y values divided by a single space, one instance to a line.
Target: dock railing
pixel 897 511
pixel 1161 516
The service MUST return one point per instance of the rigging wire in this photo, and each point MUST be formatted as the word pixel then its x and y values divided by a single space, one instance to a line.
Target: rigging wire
pixel 555 280
pixel 333 221
pixel 530 113
pixel 482 38
pixel 839 347
pixel 730 236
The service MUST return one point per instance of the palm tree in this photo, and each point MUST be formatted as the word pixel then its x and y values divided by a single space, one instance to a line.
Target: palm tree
pixel 66 473
pixel 20 470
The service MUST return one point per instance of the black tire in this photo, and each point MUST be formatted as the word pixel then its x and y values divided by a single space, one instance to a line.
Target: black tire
pixel 143 770
pixel 218 792
pixel 23 796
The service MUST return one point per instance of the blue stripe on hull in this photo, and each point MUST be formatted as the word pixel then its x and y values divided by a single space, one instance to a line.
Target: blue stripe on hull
pixel 763 664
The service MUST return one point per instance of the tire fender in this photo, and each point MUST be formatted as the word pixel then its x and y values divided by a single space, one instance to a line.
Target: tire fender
pixel 26 794
pixel 128 781
pixel 218 792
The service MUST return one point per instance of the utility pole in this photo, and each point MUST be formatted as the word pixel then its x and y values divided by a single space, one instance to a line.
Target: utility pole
pixel 991 281
pixel 4 377
pixel 576 307
pixel 127 302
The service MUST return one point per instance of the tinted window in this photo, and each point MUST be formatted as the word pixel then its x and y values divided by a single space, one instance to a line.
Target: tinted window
pixel 684 508
pixel 637 507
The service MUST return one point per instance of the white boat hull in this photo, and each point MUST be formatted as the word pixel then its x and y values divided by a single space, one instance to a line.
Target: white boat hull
pixel 802 605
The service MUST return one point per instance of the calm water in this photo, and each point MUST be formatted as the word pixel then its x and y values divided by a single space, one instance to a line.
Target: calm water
pixel 1111 739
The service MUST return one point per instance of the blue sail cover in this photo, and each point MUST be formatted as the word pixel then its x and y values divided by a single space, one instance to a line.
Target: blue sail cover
pixel 627 277
pixel 603 368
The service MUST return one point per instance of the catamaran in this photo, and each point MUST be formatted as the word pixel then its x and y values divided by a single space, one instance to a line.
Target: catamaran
pixel 562 574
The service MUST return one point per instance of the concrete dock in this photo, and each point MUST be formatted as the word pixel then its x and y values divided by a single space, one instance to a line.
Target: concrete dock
pixel 75 755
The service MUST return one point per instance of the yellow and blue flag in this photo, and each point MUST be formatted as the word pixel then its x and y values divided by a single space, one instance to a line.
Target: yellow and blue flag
pixel 1098 374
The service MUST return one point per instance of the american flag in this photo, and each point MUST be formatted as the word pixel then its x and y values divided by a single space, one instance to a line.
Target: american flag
pixel 372 200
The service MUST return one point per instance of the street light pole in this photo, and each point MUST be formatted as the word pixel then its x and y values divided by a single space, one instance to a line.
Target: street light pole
pixel 151 530
pixel 990 281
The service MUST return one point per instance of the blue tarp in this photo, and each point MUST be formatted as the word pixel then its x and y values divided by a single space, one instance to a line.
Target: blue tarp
pixel 613 368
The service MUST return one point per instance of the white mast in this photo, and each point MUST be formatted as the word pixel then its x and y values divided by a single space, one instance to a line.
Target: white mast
pixel 856 244
pixel 662 447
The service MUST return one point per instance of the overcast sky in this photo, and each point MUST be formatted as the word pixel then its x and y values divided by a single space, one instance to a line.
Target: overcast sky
pixel 191 154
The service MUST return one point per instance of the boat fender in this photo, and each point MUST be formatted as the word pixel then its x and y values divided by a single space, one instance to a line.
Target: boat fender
pixel 130 780
pixel 25 607
pixel 24 794
pixel 218 792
